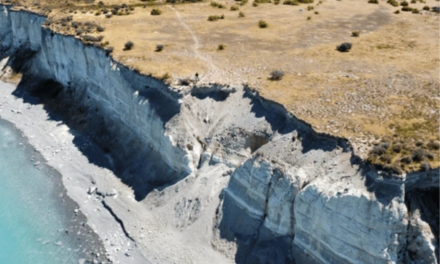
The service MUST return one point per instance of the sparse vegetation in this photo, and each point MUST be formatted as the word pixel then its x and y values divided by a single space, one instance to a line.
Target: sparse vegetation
pixel 241 14
pixel 213 18
pixel 397 12
pixel 355 33
pixel 426 8
pixel 128 45
pixel 156 12
pixel 415 11
pixel 373 1
pixel 310 8
pixel 291 2
pixel 404 3
pixel 276 75
pixel 407 9
pixel 234 8
pixel 221 47
pixel 344 47
pixel 316 13
pixel 159 47
pixel 393 2
pixel 262 24
pixel 309 18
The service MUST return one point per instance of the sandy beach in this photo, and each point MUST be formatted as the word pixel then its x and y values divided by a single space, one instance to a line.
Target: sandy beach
pixel 55 141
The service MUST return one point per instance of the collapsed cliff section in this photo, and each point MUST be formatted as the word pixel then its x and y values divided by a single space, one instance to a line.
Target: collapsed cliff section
pixel 221 167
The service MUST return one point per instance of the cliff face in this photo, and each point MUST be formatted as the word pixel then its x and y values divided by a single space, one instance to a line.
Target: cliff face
pixel 292 195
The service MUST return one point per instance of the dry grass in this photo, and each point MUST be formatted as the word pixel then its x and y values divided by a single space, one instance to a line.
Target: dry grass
pixel 386 85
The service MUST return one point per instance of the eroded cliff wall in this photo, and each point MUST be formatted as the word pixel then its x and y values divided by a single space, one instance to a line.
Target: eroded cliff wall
pixel 289 194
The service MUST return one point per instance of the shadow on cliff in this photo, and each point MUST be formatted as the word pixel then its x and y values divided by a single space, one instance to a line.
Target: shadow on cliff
pixel 282 122
pixel 94 136
pixel 255 243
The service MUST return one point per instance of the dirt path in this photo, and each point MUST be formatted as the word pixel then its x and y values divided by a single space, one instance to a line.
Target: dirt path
pixel 196 41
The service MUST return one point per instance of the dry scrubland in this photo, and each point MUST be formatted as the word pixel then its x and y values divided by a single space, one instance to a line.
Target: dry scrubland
pixel 383 94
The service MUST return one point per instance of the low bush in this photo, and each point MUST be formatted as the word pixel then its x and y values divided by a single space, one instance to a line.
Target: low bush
pixel 98 13
pixel 262 24
pixel 234 8
pixel 355 34
pixel 100 28
pixel 413 2
pixel 241 14
pixel 156 12
pixel 262 1
pixel 159 47
pixel 309 18
pixel 418 155
pixel 404 3
pixel 213 18
pixel 128 45
pixel 186 81
pixel 254 4
pixel 222 16
pixel 426 8
pixel 276 75
pixel 243 2
pixel 415 11
pixel 407 9
pixel 433 145
pixel 393 2
pixel 291 2
pixel 221 47
pixel 344 47
pixel 397 12
pixel 316 13
pixel 373 1
pixel 310 8
pixel 397 148
pixel 306 1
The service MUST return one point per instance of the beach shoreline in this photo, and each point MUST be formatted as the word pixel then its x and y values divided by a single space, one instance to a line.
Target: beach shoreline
pixel 85 183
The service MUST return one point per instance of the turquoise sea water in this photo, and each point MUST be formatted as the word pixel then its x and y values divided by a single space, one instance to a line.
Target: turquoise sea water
pixel 34 214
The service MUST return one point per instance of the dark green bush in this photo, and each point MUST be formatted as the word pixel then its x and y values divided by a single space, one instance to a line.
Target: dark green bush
pixel 262 24
pixel 241 14
pixel 234 8
pixel 393 2
pixel 291 2
pixel 221 47
pixel 128 45
pixel 156 12
pixel 355 33
pixel 213 18
pixel 373 1
pixel 404 3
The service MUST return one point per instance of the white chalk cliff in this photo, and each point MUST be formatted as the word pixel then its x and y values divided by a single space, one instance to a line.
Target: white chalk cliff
pixel 222 167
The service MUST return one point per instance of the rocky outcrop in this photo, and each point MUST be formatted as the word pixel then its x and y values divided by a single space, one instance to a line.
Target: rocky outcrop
pixel 292 195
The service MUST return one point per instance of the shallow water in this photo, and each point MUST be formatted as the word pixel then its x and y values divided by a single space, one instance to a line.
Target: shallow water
pixel 34 213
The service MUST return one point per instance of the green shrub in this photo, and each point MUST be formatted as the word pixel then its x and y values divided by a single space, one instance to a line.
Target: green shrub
pixel 413 2
pixel 243 2
pixel 415 11
pixel 221 47
pixel 393 2
pixel 291 2
pixel 309 8
pixel 241 14
pixel 214 4
pixel 397 12
pixel 404 3
pixel 234 8
pixel 309 18
pixel 427 8
pixel 406 9
pixel 316 13
pixel 222 16
pixel 128 45
pixel 306 1
pixel 262 24
pixel 276 2
pixel 276 75
pixel 373 1
pixel 213 18
pixel 262 1
pixel 98 13
pixel 355 33
pixel 254 4
pixel 156 12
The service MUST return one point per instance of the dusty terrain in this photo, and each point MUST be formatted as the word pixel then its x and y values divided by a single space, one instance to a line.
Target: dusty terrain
pixel 384 89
